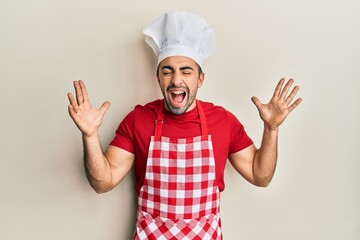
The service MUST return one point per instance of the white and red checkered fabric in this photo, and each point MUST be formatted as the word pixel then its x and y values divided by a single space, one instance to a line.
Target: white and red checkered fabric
pixel 180 179
pixel 179 198
pixel 154 228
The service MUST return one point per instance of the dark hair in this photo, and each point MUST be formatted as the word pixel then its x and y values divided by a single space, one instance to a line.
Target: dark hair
pixel 198 67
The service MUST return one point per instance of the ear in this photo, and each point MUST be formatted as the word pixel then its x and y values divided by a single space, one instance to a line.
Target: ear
pixel 201 79
pixel 158 79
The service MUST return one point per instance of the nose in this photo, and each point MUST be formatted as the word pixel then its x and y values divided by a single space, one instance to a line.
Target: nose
pixel 176 79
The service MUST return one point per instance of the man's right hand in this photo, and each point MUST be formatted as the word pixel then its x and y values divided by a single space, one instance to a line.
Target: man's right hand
pixel 86 118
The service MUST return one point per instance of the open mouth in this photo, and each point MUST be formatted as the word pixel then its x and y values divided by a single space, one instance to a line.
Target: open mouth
pixel 177 97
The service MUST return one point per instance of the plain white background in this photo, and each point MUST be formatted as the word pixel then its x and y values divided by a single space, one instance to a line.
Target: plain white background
pixel 45 45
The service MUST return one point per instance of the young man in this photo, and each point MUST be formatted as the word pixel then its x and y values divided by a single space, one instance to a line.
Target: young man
pixel 179 145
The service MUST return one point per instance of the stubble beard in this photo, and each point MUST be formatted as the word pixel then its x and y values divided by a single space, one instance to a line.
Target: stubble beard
pixel 189 98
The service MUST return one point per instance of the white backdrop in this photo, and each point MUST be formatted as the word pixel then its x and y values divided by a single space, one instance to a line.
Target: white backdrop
pixel 45 45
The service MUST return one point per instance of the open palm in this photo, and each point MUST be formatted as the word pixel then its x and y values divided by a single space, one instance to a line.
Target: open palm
pixel 86 118
pixel 275 112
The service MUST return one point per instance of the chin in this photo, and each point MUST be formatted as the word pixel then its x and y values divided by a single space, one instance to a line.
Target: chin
pixel 178 111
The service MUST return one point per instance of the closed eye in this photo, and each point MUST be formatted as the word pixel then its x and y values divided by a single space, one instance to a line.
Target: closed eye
pixel 166 73
pixel 166 70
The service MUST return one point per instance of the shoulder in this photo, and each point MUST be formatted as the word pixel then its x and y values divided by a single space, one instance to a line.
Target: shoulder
pixel 211 107
pixel 148 110
pixel 148 107
pixel 213 110
pixel 142 112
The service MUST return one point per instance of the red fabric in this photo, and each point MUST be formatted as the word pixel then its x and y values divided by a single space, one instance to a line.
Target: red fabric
pixel 180 204
pixel 135 131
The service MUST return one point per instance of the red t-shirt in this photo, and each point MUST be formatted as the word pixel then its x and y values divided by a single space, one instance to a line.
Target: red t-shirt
pixel 134 132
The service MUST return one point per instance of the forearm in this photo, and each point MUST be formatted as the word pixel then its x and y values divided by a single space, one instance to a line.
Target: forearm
pixel 96 165
pixel 265 158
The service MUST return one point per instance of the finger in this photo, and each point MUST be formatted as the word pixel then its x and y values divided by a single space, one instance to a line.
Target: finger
pixel 79 93
pixel 257 102
pixel 285 91
pixel 292 95
pixel 104 107
pixel 73 102
pixel 72 112
pixel 295 104
pixel 84 91
pixel 278 88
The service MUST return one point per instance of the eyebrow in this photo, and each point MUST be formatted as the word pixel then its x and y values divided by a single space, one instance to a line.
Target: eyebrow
pixel 186 68
pixel 168 67
pixel 181 68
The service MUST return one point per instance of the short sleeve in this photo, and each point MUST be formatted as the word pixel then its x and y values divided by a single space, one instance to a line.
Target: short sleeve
pixel 239 139
pixel 124 135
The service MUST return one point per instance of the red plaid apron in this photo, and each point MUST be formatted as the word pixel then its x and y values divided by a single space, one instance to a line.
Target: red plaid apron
pixel 179 198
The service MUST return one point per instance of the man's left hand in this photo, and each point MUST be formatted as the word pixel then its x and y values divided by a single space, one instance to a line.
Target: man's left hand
pixel 275 112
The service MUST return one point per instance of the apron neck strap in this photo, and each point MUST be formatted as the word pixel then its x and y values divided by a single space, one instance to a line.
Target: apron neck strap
pixel 204 129
pixel 160 119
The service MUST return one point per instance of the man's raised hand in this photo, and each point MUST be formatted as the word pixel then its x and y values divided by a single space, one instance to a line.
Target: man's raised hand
pixel 275 112
pixel 86 118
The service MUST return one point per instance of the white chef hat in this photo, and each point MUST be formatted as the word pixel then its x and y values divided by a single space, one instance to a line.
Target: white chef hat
pixel 178 33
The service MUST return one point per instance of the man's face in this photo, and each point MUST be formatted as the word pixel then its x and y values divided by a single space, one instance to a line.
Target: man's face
pixel 179 80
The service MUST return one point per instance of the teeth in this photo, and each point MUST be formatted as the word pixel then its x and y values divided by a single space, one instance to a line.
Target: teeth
pixel 178 92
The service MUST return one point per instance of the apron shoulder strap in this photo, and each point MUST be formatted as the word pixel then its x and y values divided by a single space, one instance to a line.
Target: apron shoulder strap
pixel 159 120
pixel 204 128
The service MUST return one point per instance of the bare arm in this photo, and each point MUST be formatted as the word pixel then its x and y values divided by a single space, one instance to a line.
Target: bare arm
pixel 258 165
pixel 104 171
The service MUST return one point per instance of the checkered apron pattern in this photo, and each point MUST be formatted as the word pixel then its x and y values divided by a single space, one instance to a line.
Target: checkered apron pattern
pixel 179 198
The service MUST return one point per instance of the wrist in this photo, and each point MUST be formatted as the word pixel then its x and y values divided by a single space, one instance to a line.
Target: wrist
pixel 271 130
pixel 90 137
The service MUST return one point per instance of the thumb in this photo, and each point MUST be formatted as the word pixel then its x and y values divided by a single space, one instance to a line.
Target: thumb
pixel 104 107
pixel 257 102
